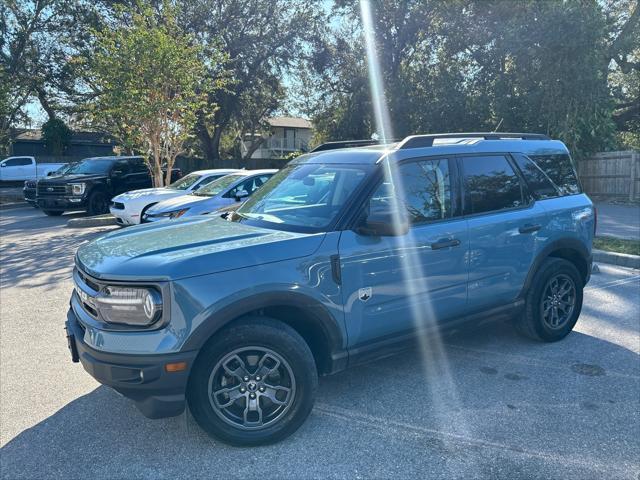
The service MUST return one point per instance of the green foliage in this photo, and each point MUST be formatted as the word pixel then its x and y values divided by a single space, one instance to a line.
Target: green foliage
pixel 56 136
pixel 150 83
pixel 466 65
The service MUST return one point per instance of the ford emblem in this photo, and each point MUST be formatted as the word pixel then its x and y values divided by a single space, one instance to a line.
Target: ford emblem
pixel 49 189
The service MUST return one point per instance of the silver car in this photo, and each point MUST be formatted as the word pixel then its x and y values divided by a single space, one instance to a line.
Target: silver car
pixel 221 193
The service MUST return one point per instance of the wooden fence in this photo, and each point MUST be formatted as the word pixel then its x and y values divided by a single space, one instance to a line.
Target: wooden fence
pixel 612 175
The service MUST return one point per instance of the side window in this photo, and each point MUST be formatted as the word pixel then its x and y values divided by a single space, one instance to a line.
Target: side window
pixel 18 162
pixel 122 166
pixel 559 169
pixel 206 181
pixel 138 166
pixel 423 188
pixel 539 183
pixel 490 184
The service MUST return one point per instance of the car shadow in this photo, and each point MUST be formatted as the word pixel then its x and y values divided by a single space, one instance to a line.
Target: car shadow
pixel 102 435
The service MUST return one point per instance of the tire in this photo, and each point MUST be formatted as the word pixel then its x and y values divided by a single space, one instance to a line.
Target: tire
pixel 541 298
pixel 256 341
pixel 144 210
pixel 53 213
pixel 98 204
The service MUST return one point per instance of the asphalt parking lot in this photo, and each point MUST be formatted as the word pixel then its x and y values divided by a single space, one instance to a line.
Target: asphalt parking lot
pixel 480 404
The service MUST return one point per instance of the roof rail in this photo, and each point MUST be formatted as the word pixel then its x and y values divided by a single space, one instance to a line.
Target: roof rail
pixel 344 144
pixel 418 141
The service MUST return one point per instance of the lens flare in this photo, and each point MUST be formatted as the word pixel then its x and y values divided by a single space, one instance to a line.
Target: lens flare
pixel 445 401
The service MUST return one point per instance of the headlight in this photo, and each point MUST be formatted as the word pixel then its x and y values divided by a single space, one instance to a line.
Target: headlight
pixel 177 213
pixel 77 188
pixel 129 305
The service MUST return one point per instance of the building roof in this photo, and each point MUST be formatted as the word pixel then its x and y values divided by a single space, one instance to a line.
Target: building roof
pixel 291 122
pixel 35 135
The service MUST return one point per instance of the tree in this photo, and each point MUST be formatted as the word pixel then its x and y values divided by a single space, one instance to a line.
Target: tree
pixel 149 80
pixel 262 39
pixel 56 136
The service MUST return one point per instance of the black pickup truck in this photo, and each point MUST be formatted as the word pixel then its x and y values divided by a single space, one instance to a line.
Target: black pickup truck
pixel 91 183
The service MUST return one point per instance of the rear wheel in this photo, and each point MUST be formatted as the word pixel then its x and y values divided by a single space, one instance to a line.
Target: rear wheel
pixel 554 301
pixel 98 204
pixel 254 383
pixel 53 213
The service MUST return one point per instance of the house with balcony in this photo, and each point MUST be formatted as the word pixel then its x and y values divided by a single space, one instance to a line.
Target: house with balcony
pixel 287 135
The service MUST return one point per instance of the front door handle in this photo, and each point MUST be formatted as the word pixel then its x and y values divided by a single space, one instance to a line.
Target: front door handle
pixel 445 243
pixel 529 228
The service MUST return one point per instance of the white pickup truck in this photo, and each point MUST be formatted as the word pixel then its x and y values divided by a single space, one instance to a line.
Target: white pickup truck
pixel 15 169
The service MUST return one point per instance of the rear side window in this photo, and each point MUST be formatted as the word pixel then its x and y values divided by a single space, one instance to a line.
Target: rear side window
pixel 490 184
pixel 539 183
pixel 559 169
pixel 17 162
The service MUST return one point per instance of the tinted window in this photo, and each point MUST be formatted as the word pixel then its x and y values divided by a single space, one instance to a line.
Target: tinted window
pixel 560 170
pixel 423 188
pixel 490 184
pixel 122 166
pixel 138 165
pixel 15 162
pixel 539 184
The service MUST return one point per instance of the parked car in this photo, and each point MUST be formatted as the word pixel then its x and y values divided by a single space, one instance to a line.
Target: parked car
pixel 90 184
pixel 18 169
pixel 341 258
pixel 30 186
pixel 128 208
pixel 219 194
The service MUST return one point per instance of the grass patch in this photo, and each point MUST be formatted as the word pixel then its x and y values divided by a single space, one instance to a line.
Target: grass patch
pixel 617 245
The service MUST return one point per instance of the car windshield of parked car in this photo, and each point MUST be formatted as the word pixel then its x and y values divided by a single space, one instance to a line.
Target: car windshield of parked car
pixel 185 182
pixel 91 167
pixel 217 187
pixel 306 197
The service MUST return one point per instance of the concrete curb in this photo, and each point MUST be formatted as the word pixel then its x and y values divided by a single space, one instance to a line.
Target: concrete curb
pixel 620 259
pixel 96 221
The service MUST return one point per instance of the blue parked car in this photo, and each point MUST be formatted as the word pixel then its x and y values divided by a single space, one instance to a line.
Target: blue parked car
pixel 341 257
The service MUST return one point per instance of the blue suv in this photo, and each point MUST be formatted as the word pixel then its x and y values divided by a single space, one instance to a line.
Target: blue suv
pixel 340 258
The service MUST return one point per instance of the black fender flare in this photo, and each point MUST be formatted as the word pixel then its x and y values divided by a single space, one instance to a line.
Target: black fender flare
pixel 562 244
pixel 314 310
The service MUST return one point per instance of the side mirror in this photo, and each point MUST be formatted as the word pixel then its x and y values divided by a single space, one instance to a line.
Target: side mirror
pixel 384 223
pixel 49 174
pixel 3 165
pixel 240 194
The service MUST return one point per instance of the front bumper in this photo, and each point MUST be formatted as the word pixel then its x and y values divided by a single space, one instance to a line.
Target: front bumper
pixel 141 378
pixel 123 217
pixel 62 203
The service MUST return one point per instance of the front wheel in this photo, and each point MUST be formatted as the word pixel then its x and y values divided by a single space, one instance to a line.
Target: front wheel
pixel 554 301
pixel 254 383
pixel 98 204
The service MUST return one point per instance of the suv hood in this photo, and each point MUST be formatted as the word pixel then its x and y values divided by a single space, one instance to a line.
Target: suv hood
pixel 75 178
pixel 189 247
pixel 159 191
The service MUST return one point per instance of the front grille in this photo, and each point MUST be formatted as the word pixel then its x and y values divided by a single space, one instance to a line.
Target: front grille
pixel 51 189
pixel 117 205
pixel 84 285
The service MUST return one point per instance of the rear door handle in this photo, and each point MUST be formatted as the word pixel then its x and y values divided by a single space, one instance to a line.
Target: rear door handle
pixel 445 243
pixel 529 228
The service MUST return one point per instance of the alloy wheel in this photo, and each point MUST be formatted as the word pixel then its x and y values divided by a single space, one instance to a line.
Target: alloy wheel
pixel 558 301
pixel 251 388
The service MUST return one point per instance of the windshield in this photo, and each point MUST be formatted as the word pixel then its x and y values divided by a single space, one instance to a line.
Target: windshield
pixel 217 187
pixel 185 182
pixel 64 169
pixel 307 197
pixel 91 166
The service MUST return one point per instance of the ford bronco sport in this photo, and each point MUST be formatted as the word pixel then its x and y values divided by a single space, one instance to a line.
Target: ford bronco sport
pixel 340 258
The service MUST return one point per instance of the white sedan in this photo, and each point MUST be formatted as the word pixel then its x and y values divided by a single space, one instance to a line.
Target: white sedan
pixel 129 207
